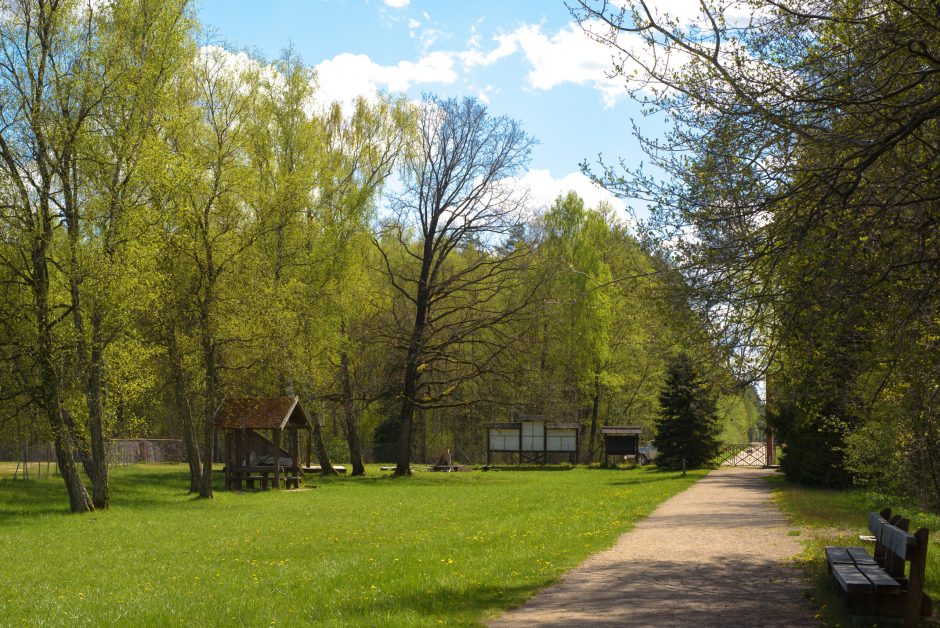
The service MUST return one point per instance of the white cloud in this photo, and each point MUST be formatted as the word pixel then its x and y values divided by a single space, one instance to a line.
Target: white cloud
pixel 544 189
pixel 484 93
pixel 347 76
pixel 397 4
pixel 568 56
pixel 507 46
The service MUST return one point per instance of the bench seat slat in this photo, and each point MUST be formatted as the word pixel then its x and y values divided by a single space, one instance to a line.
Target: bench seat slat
pixel 860 556
pixel 851 579
pixel 849 556
pixel 839 556
pixel 882 582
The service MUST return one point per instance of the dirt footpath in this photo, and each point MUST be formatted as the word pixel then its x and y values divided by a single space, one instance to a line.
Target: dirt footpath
pixel 710 556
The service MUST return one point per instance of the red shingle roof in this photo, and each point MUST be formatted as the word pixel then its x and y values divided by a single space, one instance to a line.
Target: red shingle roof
pixel 261 413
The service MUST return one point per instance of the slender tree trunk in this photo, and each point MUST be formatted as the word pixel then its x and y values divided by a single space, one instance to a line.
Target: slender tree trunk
pixel 597 398
pixel 90 358
pixel 100 483
pixel 80 448
pixel 208 350
pixel 326 467
pixel 184 412
pixel 349 414
pixel 79 500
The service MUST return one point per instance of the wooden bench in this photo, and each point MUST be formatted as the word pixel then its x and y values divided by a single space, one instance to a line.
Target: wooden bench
pixel 876 585
pixel 251 474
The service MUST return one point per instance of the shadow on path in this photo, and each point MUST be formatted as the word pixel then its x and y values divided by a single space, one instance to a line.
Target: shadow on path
pixel 710 556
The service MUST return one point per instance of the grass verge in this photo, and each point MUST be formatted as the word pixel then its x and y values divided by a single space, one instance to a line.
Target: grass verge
pixel 831 517
pixel 451 548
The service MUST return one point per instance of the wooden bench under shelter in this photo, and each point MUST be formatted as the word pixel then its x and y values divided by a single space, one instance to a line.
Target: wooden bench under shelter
pixel 876 584
pixel 250 457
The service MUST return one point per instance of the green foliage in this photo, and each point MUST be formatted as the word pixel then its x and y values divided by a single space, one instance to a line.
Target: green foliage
pixel 385 440
pixel 688 427
pixel 798 197
pixel 741 417
pixel 449 548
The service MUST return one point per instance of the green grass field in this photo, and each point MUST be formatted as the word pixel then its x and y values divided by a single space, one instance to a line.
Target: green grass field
pixel 448 549
pixel 828 517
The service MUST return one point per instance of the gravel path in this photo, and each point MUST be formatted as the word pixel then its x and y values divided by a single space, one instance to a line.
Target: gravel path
pixel 710 556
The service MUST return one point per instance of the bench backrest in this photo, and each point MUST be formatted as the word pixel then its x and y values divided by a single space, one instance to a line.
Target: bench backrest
pixel 894 547
pixel 897 541
pixel 877 520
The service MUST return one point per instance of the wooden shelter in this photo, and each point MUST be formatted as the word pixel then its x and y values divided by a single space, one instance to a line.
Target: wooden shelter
pixel 248 455
pixel 621 440
pixel 532 438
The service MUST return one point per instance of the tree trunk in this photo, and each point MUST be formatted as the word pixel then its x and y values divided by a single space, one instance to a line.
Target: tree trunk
pixel 78 495
pixel 410 387
pixel 592 444
pixel 403 463
pixel 184 412
pixel 100 483
pixel 326 468
pixel 89 358
pixel 349 414
pixel 205 490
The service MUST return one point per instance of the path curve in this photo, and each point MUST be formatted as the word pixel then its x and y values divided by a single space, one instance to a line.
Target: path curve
pixel 710 556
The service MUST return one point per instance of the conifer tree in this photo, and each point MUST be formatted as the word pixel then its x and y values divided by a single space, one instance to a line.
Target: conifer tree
pixel 688 426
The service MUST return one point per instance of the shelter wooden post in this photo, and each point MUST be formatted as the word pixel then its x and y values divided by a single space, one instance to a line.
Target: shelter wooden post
pixel 309 443
pixel 489 448
pixel 520 445
pixel 229 459
pixel 239 456
pixel 277 457
pixel 294 455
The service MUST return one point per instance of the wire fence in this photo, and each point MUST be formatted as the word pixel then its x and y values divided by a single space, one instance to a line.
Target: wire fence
pixel 146 450
pixel 120 451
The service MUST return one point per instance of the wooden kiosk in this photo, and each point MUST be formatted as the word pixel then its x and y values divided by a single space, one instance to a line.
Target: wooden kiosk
pixel 249 456
pixel 532 438
pixel 621 440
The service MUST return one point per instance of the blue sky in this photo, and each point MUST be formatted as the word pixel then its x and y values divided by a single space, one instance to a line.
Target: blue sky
pixel 525 59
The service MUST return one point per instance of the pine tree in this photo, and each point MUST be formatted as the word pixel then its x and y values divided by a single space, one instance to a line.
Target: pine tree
pixel 687 427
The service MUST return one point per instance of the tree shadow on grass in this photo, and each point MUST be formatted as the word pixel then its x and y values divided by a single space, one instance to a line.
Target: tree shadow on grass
pixel 446 605
pixel 530 467
pixel 131 488
pixel 26 499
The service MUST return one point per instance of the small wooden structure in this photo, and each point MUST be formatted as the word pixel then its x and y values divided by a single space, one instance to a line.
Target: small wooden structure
pixel 248 455
pixel 621 440
pixel 532 438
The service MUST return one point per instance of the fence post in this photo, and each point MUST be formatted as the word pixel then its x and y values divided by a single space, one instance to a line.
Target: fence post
pixel 770 452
